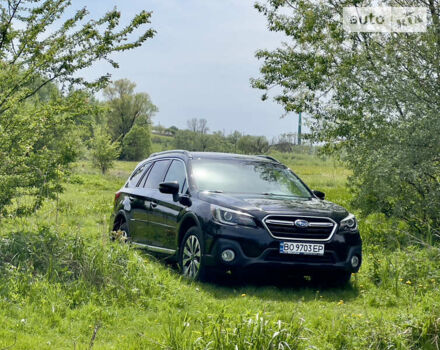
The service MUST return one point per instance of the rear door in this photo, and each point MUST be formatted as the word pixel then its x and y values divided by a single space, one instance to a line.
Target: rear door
pixel 137 213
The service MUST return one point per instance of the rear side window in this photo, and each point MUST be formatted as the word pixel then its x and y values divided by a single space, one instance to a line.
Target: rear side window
pixel 177 172
pixel 157 173
pixel 135 177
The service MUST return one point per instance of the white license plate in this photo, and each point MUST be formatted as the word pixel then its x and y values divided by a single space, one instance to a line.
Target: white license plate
pixel 301 248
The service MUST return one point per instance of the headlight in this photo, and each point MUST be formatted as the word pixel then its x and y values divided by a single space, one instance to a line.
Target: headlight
pixel 232 217
pixel 349 223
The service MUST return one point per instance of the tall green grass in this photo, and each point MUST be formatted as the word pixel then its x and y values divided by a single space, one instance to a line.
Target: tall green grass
pixel 62 282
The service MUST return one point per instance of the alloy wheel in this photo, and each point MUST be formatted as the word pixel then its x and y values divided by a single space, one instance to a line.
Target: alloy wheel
pixel 191 257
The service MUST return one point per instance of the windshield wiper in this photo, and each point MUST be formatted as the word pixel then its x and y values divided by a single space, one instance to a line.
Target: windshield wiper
pixel 214 191
pixel 277 194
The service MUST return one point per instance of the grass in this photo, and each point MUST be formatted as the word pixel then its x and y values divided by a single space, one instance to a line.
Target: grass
pixel 62 284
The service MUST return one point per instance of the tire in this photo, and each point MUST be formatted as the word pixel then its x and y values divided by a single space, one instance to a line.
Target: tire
pixel 125 237
pixel 191 256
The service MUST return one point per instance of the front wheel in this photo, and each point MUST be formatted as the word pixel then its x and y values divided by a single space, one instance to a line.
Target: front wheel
pixel 191 255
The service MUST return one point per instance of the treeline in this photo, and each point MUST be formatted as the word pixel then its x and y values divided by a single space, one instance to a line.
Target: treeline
pixel 197 138
pixel 119 126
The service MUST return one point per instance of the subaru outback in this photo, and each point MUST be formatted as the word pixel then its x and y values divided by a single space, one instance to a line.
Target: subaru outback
pixel 213 212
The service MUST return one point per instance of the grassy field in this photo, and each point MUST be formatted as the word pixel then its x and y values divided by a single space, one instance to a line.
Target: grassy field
pixel 63 285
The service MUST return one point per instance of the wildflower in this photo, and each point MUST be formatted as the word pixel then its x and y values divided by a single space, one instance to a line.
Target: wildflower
pixel 243 295
pixel 408 282
pixel 341 302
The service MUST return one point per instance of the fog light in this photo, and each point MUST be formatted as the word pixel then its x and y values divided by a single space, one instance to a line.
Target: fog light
pixel 228 255
pixel 355 261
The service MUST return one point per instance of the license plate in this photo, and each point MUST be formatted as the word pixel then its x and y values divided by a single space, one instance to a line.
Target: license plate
pixel 301 248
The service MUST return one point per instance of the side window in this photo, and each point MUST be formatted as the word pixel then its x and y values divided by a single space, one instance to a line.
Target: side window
pixel 157 173
pixel 135 177
pixel 177 172
pixel 144 175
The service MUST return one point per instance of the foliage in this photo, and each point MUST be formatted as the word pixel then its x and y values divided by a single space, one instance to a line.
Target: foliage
pixel 253 144
pixel 199 126
pixel 136 145
pixel 36 48
pixel 36 146
pixel 374 95
pixel 127 108
pixel 196 138
pixel 103 150
pixel 40 45
pixel 60 277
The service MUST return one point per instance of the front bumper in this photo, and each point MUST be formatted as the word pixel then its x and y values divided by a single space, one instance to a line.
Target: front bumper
pixel 257 249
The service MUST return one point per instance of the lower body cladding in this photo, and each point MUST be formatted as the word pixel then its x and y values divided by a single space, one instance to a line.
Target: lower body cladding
pixel 242 249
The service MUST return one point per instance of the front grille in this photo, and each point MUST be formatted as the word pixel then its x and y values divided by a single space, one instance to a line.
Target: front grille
pixel 285 227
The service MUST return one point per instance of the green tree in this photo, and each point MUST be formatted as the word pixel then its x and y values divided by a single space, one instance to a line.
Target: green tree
pixel 136 145
pixel 376 96
pixel 38 139
pixel 127 108
pixel 185 139
pixel 253 144
pixel 234 138
pixel 103 150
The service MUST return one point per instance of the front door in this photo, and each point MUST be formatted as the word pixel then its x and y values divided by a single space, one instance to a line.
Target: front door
pixel 154 226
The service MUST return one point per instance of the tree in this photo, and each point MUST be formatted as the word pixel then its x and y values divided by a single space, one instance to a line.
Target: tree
pixel 127 108
pixel 185 139
pixel 199 126
pixel 104 151
pixel 234 138
pixel 376 96
pixel 38 139
pixel 136 145
pixel 172 130
pixel 253 144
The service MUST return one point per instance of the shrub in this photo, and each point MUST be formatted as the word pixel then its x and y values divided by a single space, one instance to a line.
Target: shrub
pixel 137 143
pixel 104 152
pixel 105 273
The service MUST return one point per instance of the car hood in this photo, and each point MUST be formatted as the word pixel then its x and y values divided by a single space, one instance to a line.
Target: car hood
pixel 262 205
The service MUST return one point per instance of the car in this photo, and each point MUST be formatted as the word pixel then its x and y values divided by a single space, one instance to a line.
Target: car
pixel 213 212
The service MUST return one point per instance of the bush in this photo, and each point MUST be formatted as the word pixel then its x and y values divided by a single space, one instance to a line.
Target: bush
pixel 34 263
pixel 137 143
pixel 104 152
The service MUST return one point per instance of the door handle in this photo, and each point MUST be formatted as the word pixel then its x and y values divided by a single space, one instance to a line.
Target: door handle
pixel 153 205
pixel 131 198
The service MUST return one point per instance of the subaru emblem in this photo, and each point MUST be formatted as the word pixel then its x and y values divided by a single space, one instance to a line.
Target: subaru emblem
pixel 301 223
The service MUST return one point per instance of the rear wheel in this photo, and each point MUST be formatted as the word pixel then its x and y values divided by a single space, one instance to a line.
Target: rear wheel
pixel 122 233
pixel 191 255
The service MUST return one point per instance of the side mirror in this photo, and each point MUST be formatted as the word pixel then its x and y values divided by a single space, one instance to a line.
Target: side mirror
pixel 319 194
pixel 169 187
pixel 185 200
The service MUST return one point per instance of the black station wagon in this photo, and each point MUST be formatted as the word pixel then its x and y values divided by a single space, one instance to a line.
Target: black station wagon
pixel 229 212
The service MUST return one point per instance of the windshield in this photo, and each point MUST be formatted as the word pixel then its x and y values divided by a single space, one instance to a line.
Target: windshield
pixel 246 176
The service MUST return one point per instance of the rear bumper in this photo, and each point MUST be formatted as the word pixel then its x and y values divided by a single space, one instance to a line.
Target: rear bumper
pixel 265 255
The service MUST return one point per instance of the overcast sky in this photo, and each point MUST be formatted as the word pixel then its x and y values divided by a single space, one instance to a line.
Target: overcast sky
pixel 199 63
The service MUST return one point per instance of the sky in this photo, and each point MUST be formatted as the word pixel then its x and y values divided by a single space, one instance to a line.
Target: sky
pixel 200 62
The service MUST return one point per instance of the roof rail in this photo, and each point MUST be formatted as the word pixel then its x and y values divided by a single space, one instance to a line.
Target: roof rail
pixel 170 151
pixel 268 157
